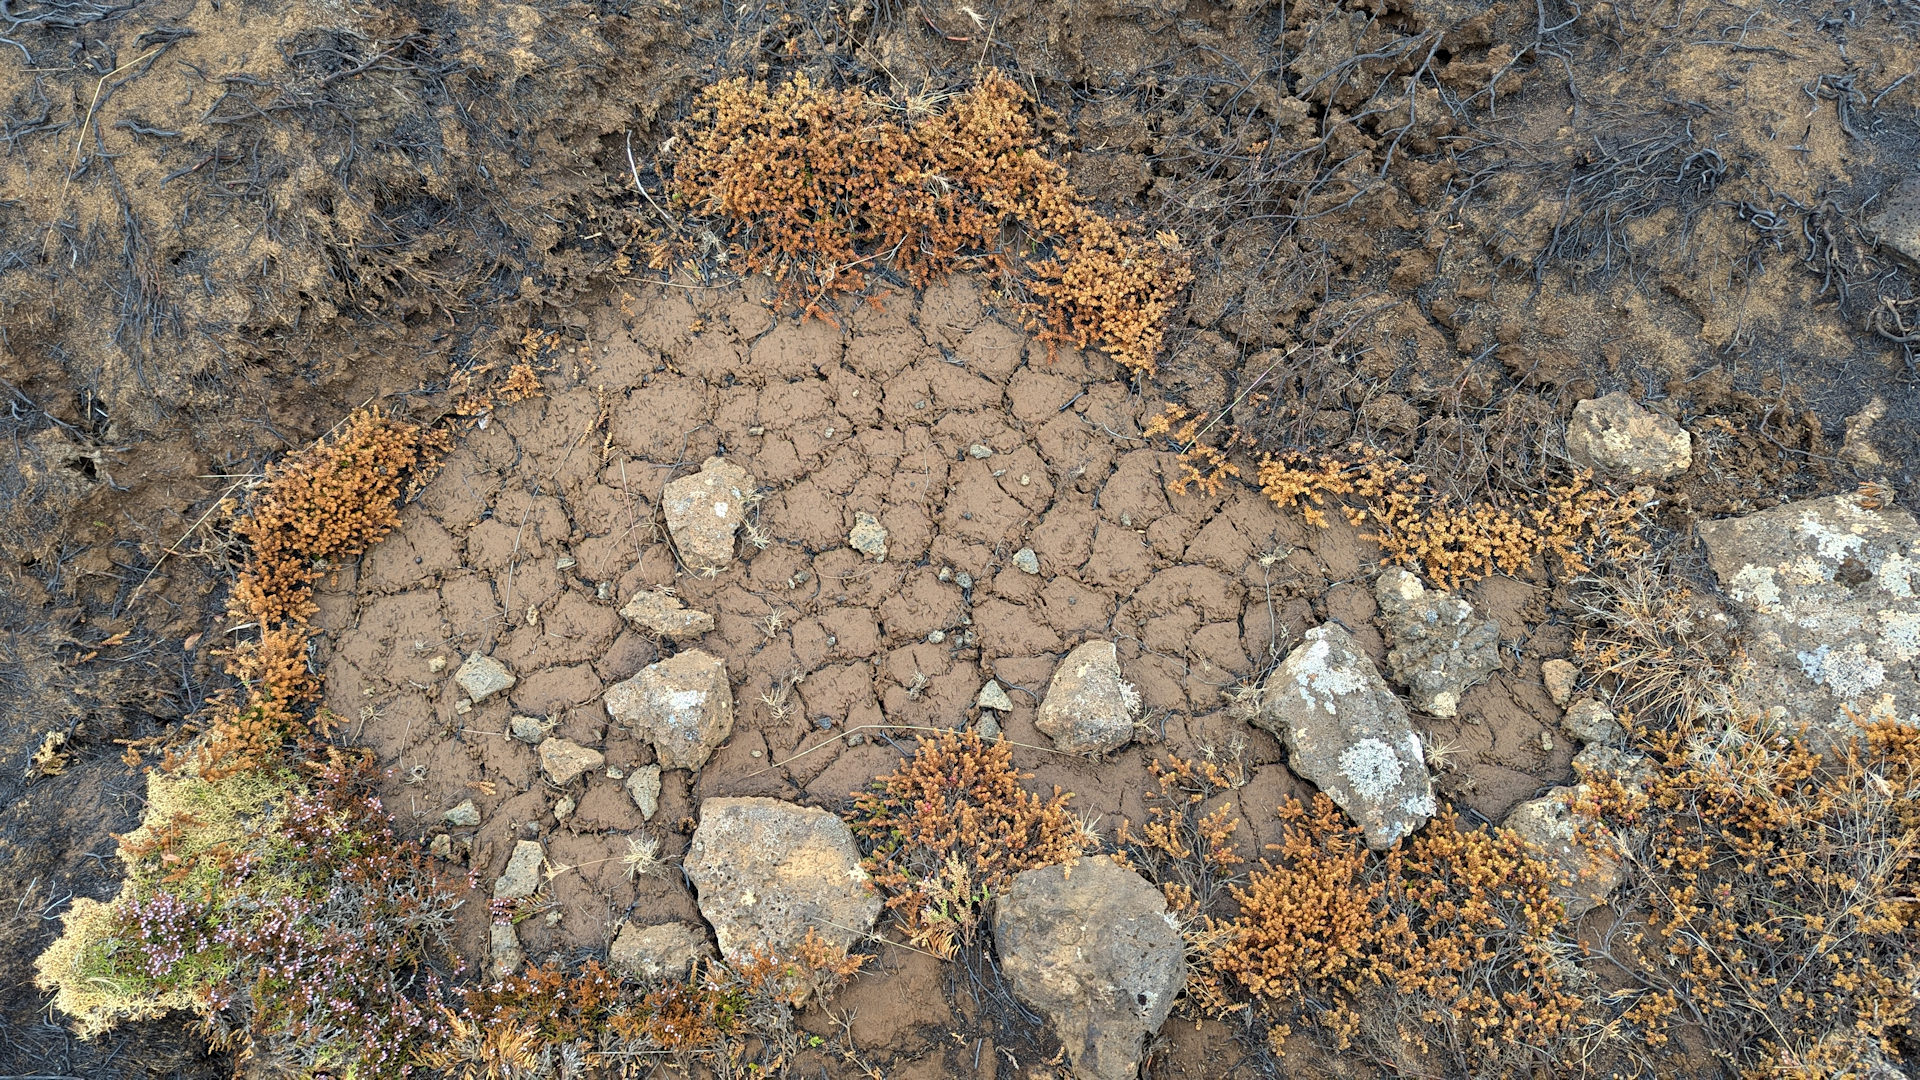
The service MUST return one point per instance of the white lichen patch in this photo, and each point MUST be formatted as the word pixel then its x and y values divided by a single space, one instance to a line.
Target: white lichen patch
pixel 1754 584
pixel 1372 768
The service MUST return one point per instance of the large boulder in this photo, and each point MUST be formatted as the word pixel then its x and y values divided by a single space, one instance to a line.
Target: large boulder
pixel 1437 646
pixel 705 510
pixel 1617 436
pixel 1827 592
pixel 766 872
pixel 682 705
pixel 1348 734
pixel 1089 708
pixel 1090 946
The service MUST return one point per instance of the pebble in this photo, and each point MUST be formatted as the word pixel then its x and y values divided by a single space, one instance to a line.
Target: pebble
pixel 979 451
pixel 1026 561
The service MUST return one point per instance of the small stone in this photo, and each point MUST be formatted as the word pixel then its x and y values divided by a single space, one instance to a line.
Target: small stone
pixel 963 579
pixel 1546 741
pixel 663 953
pixel 704 511
pixel 464 816
pixel 441 847
pixel 935 637
pixel 504 954
pixel 1560 677
pixel 528 729
pixel 1026 561
pixel 644 786
pixel 563 760
pixel 1089 708
pixel 437 665
pixel 1438 647
pixel 992 696
pixel 1591 722
pixel 565 562
pixel 462 707
pixel 1617 436
pixel 614 772
pixel 482 677
pixel 663 613
pixel 980 451
pixel 563 809
pixel 683 705
pixel 856 739
pixel 988 728
pixel 522 875
pixel 868 537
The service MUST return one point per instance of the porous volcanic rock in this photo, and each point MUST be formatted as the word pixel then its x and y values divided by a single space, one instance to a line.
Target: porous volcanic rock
pixel 1437 646
pixel 705 510
pixel 1619 437
pixel 766 872
pixel 1089 708
pixel 683 705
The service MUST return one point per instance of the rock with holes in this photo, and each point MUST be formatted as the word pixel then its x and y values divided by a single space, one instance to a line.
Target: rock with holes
pixel 663 953
pixel 1091 946
pixel 662 612
pixel 1437 646
pixel 1827 592
pixel 1618 436
pixel 1349 735
pixel 482 677
pixel 1089 708
pixel 682 705
pixel 705 510
pixel 563 760
pixel 767 872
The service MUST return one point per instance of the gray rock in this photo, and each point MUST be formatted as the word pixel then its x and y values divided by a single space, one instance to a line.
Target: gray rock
pixel 664 614
pixel 663 953
pixel 1591 722
pixel 564 807
pixel 683 705
pixel 1616 436
pixel 1026 561
pixel 994 696
pixel 522 875
pixel 988 728
pixel 563 760
pixel 1091 947
pixel 1897 224
pixel 1089 708
pixel 1580 847
pixel 1438 647
pixel 868 536
pixel 482 677
pixel 704 511
pixel 767 871
pixel 464 816
pixel 644 786
pixel 504 955
pixel 1349 735
pixel 1631 767
pixel 980 451
pixel 1560 678
pixel 529 729
pixel 1827 592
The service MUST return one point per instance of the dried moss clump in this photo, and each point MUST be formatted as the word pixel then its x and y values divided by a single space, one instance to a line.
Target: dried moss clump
pixel 1574 521
pixel 950 828
pixel 820 186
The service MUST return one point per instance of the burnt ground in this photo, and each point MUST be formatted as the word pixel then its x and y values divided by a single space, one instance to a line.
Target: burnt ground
pixel 1431 226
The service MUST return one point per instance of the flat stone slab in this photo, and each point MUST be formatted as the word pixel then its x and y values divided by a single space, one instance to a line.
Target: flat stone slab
pixel 664 614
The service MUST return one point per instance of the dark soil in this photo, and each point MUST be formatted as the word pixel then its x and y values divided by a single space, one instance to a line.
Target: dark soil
pixel 1433 226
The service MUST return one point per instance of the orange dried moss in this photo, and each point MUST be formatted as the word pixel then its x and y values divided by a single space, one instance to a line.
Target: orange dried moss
pixel 822 185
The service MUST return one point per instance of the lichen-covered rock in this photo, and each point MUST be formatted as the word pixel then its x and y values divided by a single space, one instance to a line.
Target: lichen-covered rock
pixel 682 705
pixel 766 872
pixel 1580 847
pixel 529 729
pixel 521 878
pixel 1089 944
pixel 1438 647
pixel 1089 708
pixel 1591 722
pixel 1828 594
pixel 644 787
pixel 1348 735
pixel 868 536
pixel 563 760
pixel 663 953
pixel 704 511
pixel 664 614
pixel 482 677
pixel 1617 436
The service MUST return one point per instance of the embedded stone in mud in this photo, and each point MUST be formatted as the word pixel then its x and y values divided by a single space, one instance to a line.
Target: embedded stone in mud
pixel 1348 735
pixel 868 537
pixel 663 613
pixel 644 787
pixel 1591 722
pixel 682 705
pixel 521 878
pixel 1618 436
pixel 705 510
pixel 1560 677
pixel 663 953
pixel 1439 647
pixel 1828 593
pixel 766 872
pixel 482 677
pixel 563 760
pixel 1089 708
pixel 994 696
pixel 464 816
pixel 1090 946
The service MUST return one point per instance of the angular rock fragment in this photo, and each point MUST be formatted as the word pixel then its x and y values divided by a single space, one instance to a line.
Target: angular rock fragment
pixel 1560 677
pixel 1089 708
pixel 868 537
pixel 1828 594
pixel 504 955
pixel 664 614
pixel 1090 946
pixel 994 696
pixel 766 872
pixel 682 705
pixel 704 511
pixel 1026 561
pixel 663 953
pixel 521 878
pixel 1616 436
pixel 482 677
pixel 1583 849
pixel 644 786
pixel 529 729
pixel 464 816
pixel 1438 647
pixel 563 760
pixel 1591 722
pixel 1348 734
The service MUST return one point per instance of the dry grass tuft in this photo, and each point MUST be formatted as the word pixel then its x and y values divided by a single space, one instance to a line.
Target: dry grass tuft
pixel 821 186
